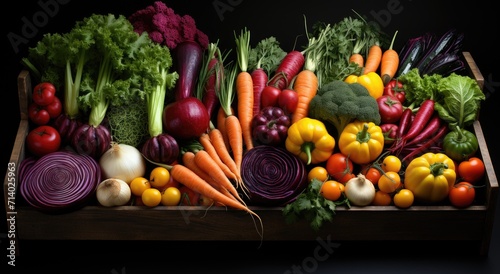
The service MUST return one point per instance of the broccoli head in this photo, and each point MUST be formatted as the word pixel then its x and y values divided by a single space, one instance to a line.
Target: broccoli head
pixel 339 103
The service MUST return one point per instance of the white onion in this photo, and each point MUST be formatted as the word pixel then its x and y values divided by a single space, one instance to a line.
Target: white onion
pixel 113 192
pixel 359 190
pixel 123 162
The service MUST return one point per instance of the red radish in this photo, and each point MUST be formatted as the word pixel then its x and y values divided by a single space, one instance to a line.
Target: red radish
pixel 188 59
pixel 210 99
pixel 259 78
pixel 404 123
pixel 424 113
pixel 431 128
pixel 289 67
pixel 420 149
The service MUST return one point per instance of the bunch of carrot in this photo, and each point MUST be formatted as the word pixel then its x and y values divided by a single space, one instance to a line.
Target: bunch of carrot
pixel 387 61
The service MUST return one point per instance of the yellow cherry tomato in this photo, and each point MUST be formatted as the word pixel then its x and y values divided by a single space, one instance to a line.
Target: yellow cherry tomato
pixel 151 197
pixel 159 177
pixel 389 182
pixel 318 172
pixel 391 163
pixel 382 198
pixel 138 185
pixel 171 196
pixel 404 198
pixel 331 190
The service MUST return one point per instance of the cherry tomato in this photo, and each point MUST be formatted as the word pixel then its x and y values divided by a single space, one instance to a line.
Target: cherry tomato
pixel 462 194
pixel 159 177
pixel 340 167
pixel 269 96
pixel 471 170
pixel 404 198
pixel 138 185
pixel 390 109
pixel 389 182
pixel 54 109
pixel 395 88
pixel 317 172
pixel 372 174
pixel 189 197
pixel 331 190
pixel 391 163
pixel 389 131
pixel 151 197
pixel 171 196
pixel 38 115
pixel 43 140
pixel 381 198
pixel 288 100
pixel 44 93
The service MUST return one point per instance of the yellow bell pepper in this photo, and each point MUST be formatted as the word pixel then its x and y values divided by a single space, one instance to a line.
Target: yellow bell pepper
pixel 362 141
pixel 430 177
pixel 309 140
pixel 371 81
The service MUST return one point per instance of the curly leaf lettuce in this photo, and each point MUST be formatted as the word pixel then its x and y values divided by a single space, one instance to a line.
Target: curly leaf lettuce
pixel 461 100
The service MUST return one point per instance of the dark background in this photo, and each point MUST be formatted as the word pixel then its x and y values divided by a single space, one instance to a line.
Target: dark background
pixel 478 20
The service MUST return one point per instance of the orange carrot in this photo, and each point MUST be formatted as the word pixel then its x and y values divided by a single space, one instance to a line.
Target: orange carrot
pixel 222 150
pixel 188 159
pixel 356 56
pixel 389 63
pixel 233 128
pixel 206 163
pixel 373 59
pixel 221 124
pixel 189 178
pixel 244 89
pixel 209 147
pixel 306 86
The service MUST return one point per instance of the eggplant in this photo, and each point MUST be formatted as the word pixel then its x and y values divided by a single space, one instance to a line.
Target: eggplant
pixel 410 54
pixel 444 64
pixel 443 44
pixel 188 59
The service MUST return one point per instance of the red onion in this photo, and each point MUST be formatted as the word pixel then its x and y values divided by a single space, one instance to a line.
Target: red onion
pixel 272 175
pixel 60 180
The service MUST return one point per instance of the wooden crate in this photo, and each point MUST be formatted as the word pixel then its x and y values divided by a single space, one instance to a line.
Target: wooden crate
pixel 420 223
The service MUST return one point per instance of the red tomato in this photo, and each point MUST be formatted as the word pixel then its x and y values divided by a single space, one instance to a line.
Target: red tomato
pixel 44 93
pixel 372 174
pixel 471 170
pixel 390 109
pixel 462 194
pixel 288 100
pixel 340 167
pixel 389 131
pixel 395 88
pixel 43 140
pixel 269 96
pixel 38 114
pixel 55 108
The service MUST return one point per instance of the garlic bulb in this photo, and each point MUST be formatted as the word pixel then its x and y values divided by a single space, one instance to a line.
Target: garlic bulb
pixel 359 190
pixel 113 192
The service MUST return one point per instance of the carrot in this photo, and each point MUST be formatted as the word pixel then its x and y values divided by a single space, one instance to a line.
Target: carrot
pixel 288 68
pixel 356 56
pixel 232 123
pixel 373 59
pixel 389 62
pixel 244 89
pixel 205 162
pixel 219 144
pixel 306 86
pixel 221 124
pixel 188 159
pixel 208 146
pixel 189 178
